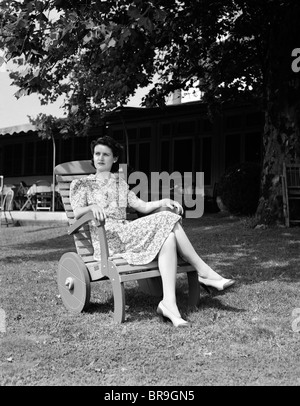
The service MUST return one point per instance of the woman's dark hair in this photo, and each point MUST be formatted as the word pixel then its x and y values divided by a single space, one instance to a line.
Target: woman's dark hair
pixel 110 142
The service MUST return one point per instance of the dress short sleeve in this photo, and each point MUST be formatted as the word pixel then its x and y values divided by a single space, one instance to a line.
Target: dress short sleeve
pixel 133 200
pixel 78 193
pixel 126 196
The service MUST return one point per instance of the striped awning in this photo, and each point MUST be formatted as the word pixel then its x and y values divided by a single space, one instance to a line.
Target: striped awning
pixel 17 129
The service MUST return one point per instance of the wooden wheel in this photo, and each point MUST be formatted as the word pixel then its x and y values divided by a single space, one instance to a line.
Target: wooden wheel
pixel 73 282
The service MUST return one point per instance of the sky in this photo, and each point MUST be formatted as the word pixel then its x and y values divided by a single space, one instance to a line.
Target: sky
pixel 15 111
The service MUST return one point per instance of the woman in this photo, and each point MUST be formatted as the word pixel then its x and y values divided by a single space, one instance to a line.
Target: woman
pixel 106 195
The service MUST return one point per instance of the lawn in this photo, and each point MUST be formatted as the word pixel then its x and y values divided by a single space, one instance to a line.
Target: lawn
pixel 247 335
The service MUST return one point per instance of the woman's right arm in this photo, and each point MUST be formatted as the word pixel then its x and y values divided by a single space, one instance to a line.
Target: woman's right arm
pixel 79 201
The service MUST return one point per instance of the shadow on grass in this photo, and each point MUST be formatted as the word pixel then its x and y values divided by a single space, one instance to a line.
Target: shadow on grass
pixel 42 257
pixel 20 252
pixel 140 306
pixel 247 255
pixel 35 230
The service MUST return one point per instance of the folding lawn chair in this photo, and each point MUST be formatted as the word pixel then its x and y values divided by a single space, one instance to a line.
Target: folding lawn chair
pixel 6 207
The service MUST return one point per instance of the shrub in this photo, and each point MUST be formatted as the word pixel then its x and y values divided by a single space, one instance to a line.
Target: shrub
pixel 239 188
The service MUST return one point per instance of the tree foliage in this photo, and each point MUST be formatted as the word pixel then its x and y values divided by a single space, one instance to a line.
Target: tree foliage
pixel 97 53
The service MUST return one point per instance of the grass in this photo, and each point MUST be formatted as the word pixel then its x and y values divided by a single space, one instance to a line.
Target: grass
pixel 243 336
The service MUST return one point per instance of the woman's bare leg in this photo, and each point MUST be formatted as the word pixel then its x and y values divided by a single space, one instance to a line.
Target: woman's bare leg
pixel 167 263
pixel 188 252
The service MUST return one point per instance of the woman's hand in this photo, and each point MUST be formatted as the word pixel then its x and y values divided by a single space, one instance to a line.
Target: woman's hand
pixel 98 212
pixel 172 204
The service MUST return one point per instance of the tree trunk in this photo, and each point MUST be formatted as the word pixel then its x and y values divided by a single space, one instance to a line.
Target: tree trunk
pixel 281 144
pixel 282 111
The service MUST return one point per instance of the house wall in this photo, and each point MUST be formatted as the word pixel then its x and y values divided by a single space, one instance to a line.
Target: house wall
pixel 26 157
pixel 176 138
pixel 183 139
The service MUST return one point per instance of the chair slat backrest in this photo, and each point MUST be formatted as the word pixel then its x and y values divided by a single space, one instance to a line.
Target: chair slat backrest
pixel 8 200
pixel 292 173
pixel 65 174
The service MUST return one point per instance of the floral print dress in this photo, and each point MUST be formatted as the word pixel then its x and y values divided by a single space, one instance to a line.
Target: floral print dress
pixel 138 241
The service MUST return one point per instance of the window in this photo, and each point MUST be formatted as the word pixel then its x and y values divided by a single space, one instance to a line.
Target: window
pixel 183 155
pixel 165 156
pixel 186 127
pixel 206 159
pixel 144 157
pixel 132 156
pixel 253 147
pixel 233 122
pixel 145 132
pixel 254 119
pixel 132 133
pixel 13 155
pixel 29 158
pixel 44 157
pixel 207 125
pixel 166 130
pixel 81 148
pixel 203 157
pixel 66 151
pixel 232 149
pixel 118 135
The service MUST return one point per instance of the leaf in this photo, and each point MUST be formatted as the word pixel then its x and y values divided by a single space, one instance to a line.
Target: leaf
pixel 87 38
pixel 112 43
pixel 21 92
pixel 74 109
pixel 89 25
pixel 147 23
pixel 134 13
pixel 36 73
pixel 25 72
pixel 2 61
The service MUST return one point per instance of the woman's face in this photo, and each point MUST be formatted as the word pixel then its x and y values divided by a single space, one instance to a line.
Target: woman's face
pixel 103 158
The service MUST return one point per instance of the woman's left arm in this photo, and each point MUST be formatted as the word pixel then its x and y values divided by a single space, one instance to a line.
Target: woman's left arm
pixel 147 207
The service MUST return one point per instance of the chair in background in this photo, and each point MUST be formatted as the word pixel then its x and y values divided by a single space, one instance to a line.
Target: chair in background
pixel 20 195
pixel 43 196
pixel 6 207
pixel 291 193
pixel 43 199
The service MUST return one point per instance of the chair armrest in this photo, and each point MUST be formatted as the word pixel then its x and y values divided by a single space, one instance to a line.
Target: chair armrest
pixel 101 233
pixel 82 220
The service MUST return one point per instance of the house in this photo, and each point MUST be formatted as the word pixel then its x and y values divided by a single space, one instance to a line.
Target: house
pixel 179 137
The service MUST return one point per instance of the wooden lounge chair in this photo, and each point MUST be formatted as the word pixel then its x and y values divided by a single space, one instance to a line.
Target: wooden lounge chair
pixel 76 271
pixel 291 193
